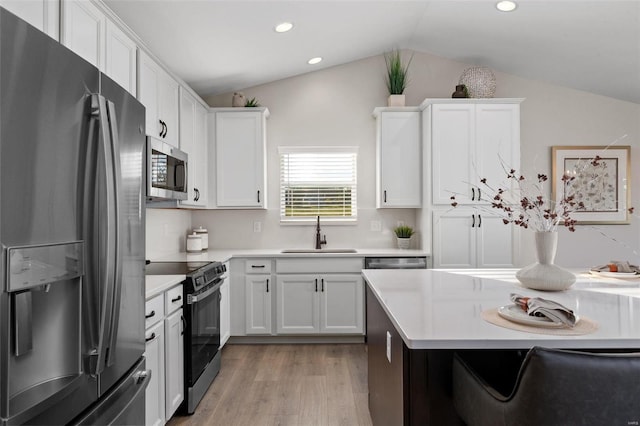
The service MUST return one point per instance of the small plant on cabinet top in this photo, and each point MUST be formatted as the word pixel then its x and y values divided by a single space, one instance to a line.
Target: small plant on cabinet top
pixel 252 103
pixel 397 73
pixel 403 231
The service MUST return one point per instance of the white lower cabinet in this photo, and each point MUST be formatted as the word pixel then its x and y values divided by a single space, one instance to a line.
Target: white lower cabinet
pixel 225 308
pixel 325 304
pixel 154 354
pixel 174 362
pixel 258 291
pixel 164 353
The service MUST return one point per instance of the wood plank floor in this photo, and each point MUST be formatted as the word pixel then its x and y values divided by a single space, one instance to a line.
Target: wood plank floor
pixel 301 385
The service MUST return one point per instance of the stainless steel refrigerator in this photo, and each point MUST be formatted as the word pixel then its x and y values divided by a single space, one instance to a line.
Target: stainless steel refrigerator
pixel 72 235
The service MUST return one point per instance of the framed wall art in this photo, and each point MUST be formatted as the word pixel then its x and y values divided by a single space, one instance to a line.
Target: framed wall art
pixel 602 178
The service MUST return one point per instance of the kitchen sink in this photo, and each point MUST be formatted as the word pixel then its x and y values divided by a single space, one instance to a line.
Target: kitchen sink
pixel 337 250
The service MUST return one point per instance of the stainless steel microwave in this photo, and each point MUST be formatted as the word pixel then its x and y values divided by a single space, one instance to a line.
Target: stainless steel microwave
pixel 166 171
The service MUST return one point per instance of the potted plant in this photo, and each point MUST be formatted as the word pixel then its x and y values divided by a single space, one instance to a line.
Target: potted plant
pixel 403 236
pixel 397 77
pixel 252 103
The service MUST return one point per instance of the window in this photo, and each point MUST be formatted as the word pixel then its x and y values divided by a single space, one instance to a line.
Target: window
pixel 318 181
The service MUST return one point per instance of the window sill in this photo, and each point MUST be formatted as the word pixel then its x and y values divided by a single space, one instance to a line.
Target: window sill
pixel 314 222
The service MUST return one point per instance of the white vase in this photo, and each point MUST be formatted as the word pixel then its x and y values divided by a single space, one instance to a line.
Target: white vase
pixel 404 243
pixel 544 275
pixel 395 101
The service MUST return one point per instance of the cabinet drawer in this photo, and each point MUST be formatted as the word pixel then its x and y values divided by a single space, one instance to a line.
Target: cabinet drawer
pixel 324 265
pixel 257 266
pixel 154 310
pixel 173 299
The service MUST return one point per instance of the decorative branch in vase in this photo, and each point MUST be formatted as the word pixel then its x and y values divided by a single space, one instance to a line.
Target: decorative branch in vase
pixel 523 202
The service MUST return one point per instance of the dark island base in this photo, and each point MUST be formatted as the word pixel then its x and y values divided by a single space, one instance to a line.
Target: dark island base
pixel 415 387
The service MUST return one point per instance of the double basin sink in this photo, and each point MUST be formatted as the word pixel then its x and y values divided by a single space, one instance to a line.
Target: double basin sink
pixel 319 251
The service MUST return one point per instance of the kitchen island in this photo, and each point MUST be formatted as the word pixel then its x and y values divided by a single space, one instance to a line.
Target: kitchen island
pixel 416 319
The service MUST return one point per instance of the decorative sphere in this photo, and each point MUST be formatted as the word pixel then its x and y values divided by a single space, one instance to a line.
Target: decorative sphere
pixel 480 82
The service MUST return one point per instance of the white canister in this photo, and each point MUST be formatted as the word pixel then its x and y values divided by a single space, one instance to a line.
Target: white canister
pixel 204 235
pixel 194 243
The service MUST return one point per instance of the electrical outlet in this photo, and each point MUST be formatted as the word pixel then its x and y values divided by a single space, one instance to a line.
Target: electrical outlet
pixel 257 226
pixel 376 226
pixel 389 346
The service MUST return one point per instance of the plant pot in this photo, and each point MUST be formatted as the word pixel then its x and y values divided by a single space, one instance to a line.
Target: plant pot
pixel 395 101
pixel 403 243
pixel 544 275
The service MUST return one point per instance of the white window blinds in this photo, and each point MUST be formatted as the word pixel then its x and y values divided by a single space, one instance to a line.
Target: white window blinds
pixel 318 181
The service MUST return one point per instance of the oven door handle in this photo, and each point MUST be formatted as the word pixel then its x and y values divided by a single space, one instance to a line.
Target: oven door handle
pixel 191 298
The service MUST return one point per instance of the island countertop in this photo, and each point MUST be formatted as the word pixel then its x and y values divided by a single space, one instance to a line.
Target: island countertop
pixel 441 309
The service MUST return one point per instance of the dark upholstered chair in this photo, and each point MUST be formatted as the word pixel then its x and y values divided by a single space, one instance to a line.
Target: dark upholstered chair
pixel 553 387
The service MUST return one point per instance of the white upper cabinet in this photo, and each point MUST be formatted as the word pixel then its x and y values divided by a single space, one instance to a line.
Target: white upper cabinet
pixel 83 30
pixel 193 141
pixel 42 14
pixel 88 31
pixel 240 157
pixel 399 158
pixel 471 141
pixel 121 56
pixel 159 93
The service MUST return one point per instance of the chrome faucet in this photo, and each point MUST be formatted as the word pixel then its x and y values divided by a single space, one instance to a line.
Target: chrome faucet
pixel 319 241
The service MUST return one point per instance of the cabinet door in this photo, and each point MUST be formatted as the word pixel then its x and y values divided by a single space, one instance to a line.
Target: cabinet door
pixel 174 358
pixel 168 106
pixel 193 142
pixel 154 394
pixel 225 313
pixel 496 242
pixel 258 292
pixel 454 238
pixel 83 31
pixel 497 142
pixel 453 151
pixel 240 159
pixel 120 59
pixel 148 74
pixel 399 160
pixel 341 304
pixel 297 304
pixel 42 14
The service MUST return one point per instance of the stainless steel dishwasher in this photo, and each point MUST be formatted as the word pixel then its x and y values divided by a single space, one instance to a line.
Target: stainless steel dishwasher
pixel 397 262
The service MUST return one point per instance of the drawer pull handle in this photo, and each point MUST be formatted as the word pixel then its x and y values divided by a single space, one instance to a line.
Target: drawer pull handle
pixel 257 266
pixel 152 314
pixel 176 299
pixel 267 285
pixel 322 284
pixel 150 338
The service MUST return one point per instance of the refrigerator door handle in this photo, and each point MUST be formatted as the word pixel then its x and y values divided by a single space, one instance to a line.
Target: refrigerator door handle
pixel 116 173
pixel 107 262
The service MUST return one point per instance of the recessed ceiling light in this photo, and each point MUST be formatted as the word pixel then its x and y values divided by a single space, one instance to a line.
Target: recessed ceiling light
pixel 506 6
pixel 284 27
pixel 314 61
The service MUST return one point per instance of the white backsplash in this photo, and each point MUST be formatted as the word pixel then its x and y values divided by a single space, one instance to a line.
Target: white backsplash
pixel 166 231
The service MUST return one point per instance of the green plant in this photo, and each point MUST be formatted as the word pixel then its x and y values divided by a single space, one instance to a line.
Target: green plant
pixel 253 102
pixel 397 73
pixel 403 231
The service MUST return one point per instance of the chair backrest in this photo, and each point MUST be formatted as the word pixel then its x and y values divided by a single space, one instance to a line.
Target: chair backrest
pixel 559 387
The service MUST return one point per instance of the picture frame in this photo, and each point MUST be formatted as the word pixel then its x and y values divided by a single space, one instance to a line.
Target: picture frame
pixel 604 187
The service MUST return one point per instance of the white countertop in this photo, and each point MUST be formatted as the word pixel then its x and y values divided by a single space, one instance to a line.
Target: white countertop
pixel 226 254
pixel 438 309
pixel 158 284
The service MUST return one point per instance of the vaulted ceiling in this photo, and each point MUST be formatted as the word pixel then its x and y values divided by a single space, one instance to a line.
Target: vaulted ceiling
pixel 221 46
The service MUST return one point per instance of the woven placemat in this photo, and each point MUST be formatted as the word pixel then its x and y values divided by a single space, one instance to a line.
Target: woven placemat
pixel 584 325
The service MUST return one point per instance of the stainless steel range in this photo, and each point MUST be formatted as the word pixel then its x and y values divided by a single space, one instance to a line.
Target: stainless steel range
pixel 202 313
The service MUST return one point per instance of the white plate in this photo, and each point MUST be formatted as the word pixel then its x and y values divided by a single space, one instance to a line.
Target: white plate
pixel 515 313
pixel 622 275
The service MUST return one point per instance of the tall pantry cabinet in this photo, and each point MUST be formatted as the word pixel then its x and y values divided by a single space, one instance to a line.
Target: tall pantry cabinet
pixel 467 140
